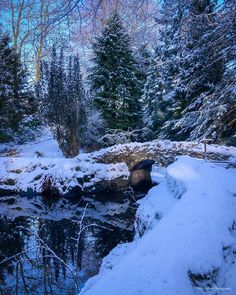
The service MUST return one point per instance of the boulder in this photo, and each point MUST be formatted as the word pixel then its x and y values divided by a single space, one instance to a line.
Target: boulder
pixel 140 175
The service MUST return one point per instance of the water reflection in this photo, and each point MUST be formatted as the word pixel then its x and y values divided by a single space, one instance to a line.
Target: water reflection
pixel 54 247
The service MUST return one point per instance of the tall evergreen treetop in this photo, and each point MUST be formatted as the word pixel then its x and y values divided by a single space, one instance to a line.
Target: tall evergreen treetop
pixel 115 86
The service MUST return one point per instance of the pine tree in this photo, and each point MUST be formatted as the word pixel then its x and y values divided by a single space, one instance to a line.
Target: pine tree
pixel 16 99
pixel 160 92
pixel 143 59
pixel 63 101
pixel 113 78
pixel 201 67
pixel 189 90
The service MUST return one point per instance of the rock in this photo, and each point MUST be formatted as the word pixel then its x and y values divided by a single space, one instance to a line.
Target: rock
pixel 116 185
pixel 75 194
pixel 140 177
pixel 67 177
pixel 5 192
pixel 48 189
pixel 144 165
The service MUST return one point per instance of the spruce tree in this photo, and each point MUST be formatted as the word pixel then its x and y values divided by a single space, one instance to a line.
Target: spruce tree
pixel 62 96
pixel 160 91
pixel 201 68
pixel 114 83
pixel 189 90
pixel 16 98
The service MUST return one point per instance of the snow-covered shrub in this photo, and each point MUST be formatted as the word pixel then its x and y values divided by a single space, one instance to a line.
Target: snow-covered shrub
pixel 94 128
pixel 116 136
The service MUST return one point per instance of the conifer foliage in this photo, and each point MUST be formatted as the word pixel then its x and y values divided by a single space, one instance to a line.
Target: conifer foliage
pixel 16 99
pixel 114 77
pixel 62 97
pixel 189 91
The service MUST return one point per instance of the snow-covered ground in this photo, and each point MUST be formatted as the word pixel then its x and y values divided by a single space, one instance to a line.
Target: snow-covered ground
pixel 43 146
pixel 185 237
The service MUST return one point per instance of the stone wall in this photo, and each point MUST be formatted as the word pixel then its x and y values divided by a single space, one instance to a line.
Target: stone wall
pixel 163 152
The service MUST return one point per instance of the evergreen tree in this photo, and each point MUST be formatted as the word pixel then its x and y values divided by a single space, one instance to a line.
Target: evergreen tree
pixel 114 83
pixel 201 67
pixel 214 108
pixel 143 59
pixel 189 90
pixel 76 117
pixel 160 92
pixel 16 99
pixel 152 117
pixel 62 96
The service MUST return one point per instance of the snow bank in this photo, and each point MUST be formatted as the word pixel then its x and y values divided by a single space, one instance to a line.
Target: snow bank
pixel 186 237
pixel 24 174
pixel 44 146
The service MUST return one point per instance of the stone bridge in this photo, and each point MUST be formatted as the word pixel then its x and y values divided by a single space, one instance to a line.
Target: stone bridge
pixel 163 152
pixel 107 170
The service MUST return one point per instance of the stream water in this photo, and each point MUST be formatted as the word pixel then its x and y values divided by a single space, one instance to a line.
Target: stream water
pixel 54 247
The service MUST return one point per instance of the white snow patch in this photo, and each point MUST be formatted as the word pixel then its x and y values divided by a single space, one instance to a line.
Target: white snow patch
pixel 43 146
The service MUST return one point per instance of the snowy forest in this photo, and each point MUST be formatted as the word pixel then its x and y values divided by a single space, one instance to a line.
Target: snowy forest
pixel 94 72
pixel 118 147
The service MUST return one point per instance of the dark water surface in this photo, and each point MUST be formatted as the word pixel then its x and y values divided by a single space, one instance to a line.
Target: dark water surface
pixel 54 247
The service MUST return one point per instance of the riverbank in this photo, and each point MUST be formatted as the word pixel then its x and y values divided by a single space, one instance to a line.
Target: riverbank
pixel 106 170
pixel 185 237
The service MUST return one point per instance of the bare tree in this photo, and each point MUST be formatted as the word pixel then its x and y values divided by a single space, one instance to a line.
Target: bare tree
pixel 137 16
pixel 35 25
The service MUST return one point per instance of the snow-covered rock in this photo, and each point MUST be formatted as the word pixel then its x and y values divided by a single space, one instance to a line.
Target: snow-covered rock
pixel 60 176
pixel 187 240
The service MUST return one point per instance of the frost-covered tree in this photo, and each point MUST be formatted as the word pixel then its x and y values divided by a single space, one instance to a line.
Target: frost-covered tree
pixel 189 91
pixel 62 98
pixel 114 82
pixel 142 57
pixel 16 98
pixel 94 128
pixel 215 114
pixel 203 67
pixel 160 91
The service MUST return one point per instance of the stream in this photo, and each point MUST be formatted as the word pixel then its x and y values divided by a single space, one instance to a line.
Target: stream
pixel 54 247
